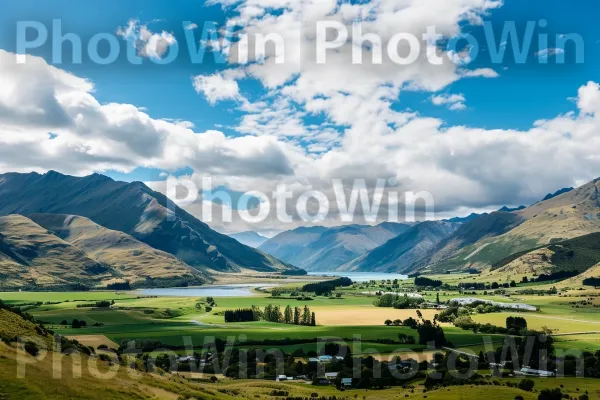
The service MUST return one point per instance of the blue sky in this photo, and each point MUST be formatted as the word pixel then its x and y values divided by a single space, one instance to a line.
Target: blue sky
pixel 520 94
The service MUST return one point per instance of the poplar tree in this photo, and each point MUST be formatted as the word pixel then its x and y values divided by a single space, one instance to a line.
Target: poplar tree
pixel 306 316
pixel 289 316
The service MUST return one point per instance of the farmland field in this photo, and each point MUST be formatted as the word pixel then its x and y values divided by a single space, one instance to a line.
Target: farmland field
pixel 175 320
pixel 136 317
pixel 349 318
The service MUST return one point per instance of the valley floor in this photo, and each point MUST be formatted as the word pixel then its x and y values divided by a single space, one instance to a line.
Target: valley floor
pixel 176 320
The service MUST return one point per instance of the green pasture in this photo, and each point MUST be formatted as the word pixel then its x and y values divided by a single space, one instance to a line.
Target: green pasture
pixel 137 317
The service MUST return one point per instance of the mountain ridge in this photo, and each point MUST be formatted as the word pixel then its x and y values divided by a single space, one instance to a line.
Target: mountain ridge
pixel 132 260
pixel 572 214
pixel 135 209
pixel 31 256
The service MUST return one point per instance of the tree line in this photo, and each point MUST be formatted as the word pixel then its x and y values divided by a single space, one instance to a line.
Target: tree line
pixel 397 301
pixel 321 288
pixel 242 315
pixel 592 282
pixel 427 282
pixel 273 313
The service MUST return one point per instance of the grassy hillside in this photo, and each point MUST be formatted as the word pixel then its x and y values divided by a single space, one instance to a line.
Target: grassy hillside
pixel 578 255
pixel 129 258
pixel 32 256
pixel 566 216
pixel 593 272
pixel 14 326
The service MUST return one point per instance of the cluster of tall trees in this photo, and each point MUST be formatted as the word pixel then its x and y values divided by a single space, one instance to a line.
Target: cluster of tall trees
pixel 592 282
pixel 273 313
pixel 296 316
pixel 119 286
pixel 76 324
pixel 431 332
pixel 397 301
pixel 427 282
pixel 243 315
pixel 488 286
pixel 517 325
pixel 321 288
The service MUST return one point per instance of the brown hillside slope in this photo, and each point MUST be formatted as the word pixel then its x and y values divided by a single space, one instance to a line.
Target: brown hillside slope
pixel 32 256
pixel 131 259
pixel 135 209
pixel 567 216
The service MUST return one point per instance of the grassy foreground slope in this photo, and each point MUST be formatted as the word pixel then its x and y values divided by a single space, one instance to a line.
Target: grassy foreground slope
pixel 98 382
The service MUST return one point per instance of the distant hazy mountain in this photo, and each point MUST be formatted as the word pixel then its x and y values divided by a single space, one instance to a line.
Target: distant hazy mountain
pixel 406 252
pixel 474 216
pixel 325 249
pixel 131 259
pixel 31 256
pixel 135 209
pixel 249 238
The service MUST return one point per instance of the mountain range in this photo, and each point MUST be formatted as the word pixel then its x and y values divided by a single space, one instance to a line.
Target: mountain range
pixel 133 209
pixel 326 249
pixel 403 252
pixel 57 230
pixel 478 241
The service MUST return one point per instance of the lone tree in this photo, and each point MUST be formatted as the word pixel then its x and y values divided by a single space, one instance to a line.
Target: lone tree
pixel 526 385
pixel 516 324
pixel 313 319
pixel 551 394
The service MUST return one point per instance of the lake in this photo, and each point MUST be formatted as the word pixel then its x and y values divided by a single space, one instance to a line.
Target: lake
pixel 238 290
pixel 245 290
pixel 362 276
